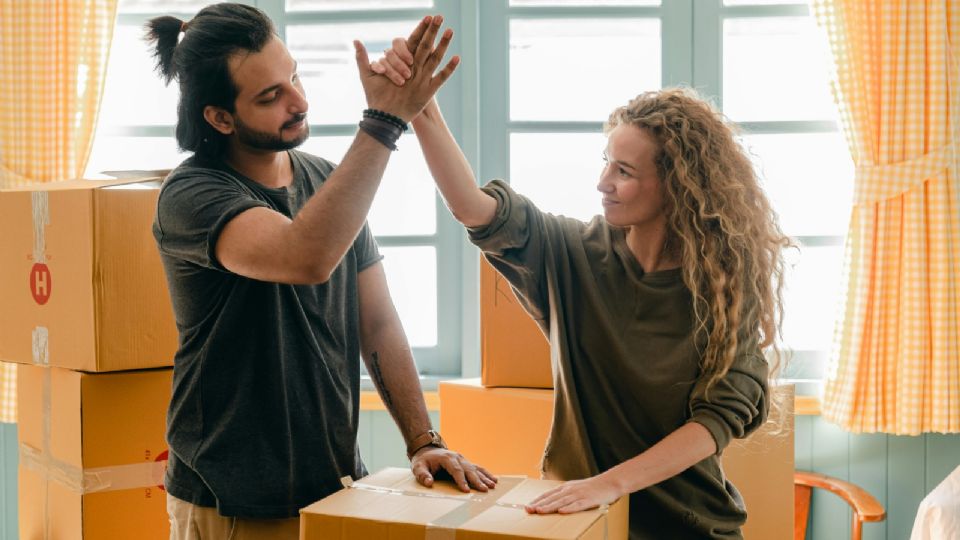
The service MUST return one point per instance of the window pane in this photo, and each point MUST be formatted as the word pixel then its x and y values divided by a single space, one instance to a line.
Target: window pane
pixel 333 5
pixel 587 66
pixel 134 153
pixel 328 69
pixel 775 69
pixel 161 6
pixel 811 297
pixel 559 171
pixel 134 94
pixel 412 278
pixel 809 179
pixel 405 203
pixel 584 2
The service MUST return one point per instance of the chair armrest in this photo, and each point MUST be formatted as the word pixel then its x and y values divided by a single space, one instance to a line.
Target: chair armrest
pixel 864 504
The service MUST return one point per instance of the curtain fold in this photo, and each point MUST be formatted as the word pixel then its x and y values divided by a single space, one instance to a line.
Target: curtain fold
pixel 53 57
pixel 895 364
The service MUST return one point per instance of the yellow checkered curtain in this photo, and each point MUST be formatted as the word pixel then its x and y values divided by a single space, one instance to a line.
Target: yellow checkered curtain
pixel 8 393
pixel 53 55
pixel 895 365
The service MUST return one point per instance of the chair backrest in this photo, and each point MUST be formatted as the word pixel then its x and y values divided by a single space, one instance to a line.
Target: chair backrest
pixel 865 506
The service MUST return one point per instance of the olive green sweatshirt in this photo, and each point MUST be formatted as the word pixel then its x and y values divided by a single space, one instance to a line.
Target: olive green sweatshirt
pixel 625 362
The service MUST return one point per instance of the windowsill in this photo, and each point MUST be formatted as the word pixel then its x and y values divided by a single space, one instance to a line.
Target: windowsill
pixel 370 401
pixel 806 406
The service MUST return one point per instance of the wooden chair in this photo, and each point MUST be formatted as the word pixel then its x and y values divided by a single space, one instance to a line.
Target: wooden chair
pixel 865 506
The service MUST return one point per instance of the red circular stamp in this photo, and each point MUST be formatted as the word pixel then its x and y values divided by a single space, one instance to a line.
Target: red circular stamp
pixel 41 283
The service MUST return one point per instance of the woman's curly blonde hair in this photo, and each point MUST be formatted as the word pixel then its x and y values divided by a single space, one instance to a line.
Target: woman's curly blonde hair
pixel 720 223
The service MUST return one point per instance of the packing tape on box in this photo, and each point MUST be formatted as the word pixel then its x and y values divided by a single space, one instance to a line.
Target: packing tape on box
pixel 445 527
pixel 41 219
pixel 96 479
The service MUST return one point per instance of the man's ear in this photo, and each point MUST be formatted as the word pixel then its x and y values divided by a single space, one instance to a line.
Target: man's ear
pixel 219 118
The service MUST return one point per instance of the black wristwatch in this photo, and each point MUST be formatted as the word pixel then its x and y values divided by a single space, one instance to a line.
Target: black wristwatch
pixel 429 438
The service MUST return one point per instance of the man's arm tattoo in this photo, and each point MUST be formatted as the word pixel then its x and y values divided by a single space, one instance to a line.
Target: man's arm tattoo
pixel 377 377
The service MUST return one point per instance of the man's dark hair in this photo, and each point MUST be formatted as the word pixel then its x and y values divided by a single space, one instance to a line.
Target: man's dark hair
pixel 199 63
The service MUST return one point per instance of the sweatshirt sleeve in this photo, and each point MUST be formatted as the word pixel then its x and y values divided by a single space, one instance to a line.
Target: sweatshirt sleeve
pixel 737 404
pixel 516 244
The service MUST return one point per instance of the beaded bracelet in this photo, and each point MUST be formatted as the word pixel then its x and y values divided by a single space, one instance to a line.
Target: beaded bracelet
pixel 386 133
pixel 381 115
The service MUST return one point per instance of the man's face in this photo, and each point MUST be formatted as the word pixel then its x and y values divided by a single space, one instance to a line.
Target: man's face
pixel 270 110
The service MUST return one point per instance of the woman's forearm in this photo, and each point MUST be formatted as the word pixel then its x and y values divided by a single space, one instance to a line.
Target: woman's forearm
pixel 677 452
pixel 450 169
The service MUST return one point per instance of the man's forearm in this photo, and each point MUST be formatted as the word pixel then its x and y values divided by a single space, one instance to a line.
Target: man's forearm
pixel 391 367
pixel 328 224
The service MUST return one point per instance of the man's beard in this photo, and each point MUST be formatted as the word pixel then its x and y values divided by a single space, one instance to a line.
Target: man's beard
pixel 262 140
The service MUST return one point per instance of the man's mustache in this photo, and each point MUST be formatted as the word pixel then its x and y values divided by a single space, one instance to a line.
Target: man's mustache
pixel 296 119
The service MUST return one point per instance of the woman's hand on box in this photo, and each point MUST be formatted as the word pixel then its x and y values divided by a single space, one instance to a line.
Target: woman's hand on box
pixel 575 496
pixel 430 460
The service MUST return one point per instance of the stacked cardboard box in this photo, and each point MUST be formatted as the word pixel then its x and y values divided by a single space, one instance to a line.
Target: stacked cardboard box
pixel 513 351
pixel 86 315
pixel 391 504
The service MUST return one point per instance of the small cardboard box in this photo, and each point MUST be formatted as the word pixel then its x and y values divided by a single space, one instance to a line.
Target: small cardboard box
pixel 476 421
pixel 513 350
pixel 81 283
pixel 391 504
pixel 92 453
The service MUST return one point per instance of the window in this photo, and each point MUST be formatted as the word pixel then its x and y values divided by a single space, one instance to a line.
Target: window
pixel 537 81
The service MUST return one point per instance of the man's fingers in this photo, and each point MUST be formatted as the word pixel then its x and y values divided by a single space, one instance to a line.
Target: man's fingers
pixel 414 40
pixel 476 482
pixel 456 472
pixel 426 44
pixel 437 55
pixel 446 72
pixel 488 474
pixel 403 50
pixel 485 477
pixel 363 61
pixel 422 473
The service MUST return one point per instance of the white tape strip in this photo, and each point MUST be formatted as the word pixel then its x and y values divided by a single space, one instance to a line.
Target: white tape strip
pixel 41 347
pixel 41 219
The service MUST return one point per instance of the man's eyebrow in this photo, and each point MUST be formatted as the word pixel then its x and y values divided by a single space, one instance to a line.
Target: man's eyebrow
pixel 274 87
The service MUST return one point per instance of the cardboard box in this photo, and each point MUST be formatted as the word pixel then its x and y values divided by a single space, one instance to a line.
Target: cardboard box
pixel 390 504
pixel 92 453
pixel 81 284
pixel 476 421
pixel 513 350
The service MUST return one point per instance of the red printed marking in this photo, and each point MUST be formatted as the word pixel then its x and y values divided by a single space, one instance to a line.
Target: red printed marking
pixel 162 456
pixel 41 283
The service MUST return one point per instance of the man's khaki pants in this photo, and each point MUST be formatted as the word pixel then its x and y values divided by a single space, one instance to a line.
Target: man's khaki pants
pixel 192 522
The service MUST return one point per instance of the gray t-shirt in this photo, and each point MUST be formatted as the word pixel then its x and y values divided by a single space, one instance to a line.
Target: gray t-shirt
pixel 626 364
pixel 263 418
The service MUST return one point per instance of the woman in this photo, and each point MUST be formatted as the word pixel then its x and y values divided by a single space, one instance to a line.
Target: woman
pixel 658 312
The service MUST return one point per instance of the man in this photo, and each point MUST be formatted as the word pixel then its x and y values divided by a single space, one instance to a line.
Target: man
pixel 276 281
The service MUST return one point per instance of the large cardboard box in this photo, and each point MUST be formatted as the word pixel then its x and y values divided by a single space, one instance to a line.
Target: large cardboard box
pixel 505 430
pixel 513 350
pixel 92 454
pixel 391 504
pixel 81 284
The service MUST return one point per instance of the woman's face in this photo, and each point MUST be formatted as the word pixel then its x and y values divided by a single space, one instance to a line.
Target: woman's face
pixel 632 191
